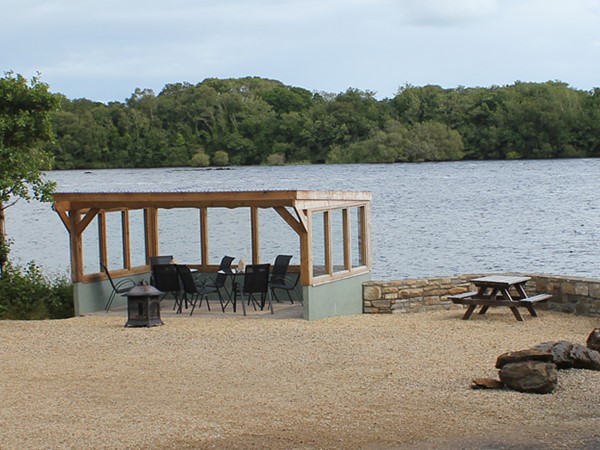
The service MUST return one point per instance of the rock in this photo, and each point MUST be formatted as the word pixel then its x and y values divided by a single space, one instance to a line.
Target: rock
pixel 568 355
pixel 531 354
pixel 593 340
pixel 530 376
pixel 486 383
pixel 561 351
pixel 585 358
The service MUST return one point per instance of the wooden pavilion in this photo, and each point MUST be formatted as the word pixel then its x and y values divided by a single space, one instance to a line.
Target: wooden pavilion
pixel 333 287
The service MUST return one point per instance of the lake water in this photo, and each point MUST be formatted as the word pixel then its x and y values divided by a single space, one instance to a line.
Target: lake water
pixel 430 219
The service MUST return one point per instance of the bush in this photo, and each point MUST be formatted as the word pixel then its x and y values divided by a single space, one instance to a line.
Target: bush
pixel 220 158
pixel 200 159
pixel 25 293
pixel 276 159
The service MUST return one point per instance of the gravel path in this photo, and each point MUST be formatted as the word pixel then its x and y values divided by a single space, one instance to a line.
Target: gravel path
pixel 372 382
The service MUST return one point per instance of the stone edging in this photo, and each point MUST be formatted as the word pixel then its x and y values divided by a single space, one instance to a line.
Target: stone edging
pixel 569 294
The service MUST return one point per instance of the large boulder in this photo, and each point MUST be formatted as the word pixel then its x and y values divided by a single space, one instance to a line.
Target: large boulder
pixel 530 376
pixel 593 340
pixel 530 354
pixel 567 355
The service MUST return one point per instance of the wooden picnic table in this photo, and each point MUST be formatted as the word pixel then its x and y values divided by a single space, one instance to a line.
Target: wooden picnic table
pixel 495 290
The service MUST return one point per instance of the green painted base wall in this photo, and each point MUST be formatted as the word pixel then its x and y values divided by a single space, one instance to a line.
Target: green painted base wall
pixel 92 297
pixel 340 298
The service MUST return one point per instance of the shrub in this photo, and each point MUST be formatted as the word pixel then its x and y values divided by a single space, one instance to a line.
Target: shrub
pixel 220 158
pixel 25 293
pixel 276 159
pixel 200 159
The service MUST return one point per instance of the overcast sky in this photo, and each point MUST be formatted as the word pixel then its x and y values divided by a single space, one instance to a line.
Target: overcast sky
pixel 103 49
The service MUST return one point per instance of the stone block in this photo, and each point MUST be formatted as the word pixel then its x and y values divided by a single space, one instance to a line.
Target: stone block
pixel 381 304
pixel 594 290
pixel 431 300
pixel 371 292
pixel 582 289
pixel 410 293
pixel 567 288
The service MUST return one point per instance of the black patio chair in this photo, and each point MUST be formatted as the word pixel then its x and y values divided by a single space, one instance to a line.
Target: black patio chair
pixel 163 259
pixel 280 279
pixel 225 265
pixel 256 282
pixel 165 279
pixel 122 286
pixel 196 292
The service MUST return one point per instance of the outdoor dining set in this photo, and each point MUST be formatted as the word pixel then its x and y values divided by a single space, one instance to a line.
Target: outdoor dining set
pixel 253 284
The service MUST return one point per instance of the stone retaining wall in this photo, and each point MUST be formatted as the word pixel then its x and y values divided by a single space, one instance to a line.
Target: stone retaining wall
pixel 569 294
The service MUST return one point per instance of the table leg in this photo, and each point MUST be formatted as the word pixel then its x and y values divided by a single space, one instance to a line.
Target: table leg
pixel 483 309
pixel 469 311
pixel 531 310
pixel 517 314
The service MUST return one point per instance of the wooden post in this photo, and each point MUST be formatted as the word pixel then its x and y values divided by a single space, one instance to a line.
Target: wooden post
pixel 204 237
pixel 347 239
pixel 126 239
pixel 306 255
pixel 255 235
pixel 102 252
pixel 328 242
pixel 75 246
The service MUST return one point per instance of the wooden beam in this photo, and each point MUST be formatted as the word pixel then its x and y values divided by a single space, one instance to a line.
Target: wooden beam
pixel 255 235
pixel 102 239
pixel 87 219
pixel 298 226
pixel 347 239
pixel 126 239
pixel 328 242
pixel 204 236
pixel 76 248
pixel 306 253
pixel 65 220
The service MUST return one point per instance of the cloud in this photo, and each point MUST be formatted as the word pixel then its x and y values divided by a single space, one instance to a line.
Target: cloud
pixel 448 12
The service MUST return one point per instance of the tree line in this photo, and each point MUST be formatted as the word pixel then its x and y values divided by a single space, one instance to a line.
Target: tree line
pixel 253 120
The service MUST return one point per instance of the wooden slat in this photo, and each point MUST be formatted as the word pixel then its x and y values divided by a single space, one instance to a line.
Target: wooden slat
pixel 255 235
pixel 347 239
pixel 306 254
pixel 87 219
pixel 126 239
pixel 298 226
pixel 204 236
pixel 102 239
pixel 328 242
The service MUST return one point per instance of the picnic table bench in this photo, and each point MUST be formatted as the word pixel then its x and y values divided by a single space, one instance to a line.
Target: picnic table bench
pixel 495 291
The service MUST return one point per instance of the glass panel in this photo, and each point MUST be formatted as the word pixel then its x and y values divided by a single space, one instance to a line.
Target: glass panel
pixel 179 234
pixel 114 240
pixel 137 238
pixel 337 238
pixel 229 233
pixel 277 237
pixel 356 226
pixel 90 248
pixel 318 244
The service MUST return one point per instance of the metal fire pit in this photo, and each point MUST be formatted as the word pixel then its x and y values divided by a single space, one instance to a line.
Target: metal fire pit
pixel 143 306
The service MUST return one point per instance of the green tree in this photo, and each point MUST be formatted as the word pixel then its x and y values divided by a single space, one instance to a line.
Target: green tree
pixel 24 128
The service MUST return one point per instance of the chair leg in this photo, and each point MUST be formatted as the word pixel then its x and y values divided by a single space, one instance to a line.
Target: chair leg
pixel 110 300
pixel 289 296
pixel 243 304
pixel 270 302
pixel 275 295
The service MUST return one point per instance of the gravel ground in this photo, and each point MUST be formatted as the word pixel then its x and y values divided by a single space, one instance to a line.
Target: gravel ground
pixel 369 382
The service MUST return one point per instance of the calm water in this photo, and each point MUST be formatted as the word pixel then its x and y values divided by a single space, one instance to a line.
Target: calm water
pixel 428 219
